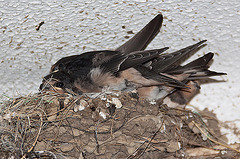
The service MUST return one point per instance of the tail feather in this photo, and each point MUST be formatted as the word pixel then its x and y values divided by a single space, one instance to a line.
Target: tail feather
pixel 197 69
pixel 204 74
pixel 196 65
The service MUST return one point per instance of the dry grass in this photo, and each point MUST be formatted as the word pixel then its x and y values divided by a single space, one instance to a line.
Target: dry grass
pixel 104 126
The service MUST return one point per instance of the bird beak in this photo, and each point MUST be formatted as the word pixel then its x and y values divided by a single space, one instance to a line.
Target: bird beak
pixel 46 87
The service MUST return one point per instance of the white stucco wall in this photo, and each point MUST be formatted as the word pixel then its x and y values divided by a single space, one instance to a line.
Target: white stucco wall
pixel 73 27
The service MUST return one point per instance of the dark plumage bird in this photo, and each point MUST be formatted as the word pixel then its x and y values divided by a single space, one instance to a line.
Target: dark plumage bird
pixel 155 75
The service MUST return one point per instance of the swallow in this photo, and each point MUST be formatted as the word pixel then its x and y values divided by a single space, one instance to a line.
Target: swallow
pixel 93 71
pixel 190 74
pixel 152 73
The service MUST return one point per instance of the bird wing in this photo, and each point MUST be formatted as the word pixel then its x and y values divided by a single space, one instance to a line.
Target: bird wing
pixel 168 61
pixel 143 37
pixel 136 43
pixel 121 62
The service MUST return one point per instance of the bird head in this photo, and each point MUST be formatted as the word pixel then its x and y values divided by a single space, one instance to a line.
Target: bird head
pixel 58 82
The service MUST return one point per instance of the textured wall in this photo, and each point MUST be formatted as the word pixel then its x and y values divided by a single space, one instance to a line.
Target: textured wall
pixel 73 27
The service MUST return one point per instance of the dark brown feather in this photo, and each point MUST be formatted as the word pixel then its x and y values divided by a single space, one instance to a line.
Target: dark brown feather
pixel 167 61
pixel 143 37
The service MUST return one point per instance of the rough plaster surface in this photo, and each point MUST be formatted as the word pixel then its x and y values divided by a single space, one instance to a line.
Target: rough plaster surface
pixel 73 27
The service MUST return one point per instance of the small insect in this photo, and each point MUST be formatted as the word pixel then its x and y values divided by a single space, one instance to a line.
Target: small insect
pixel 39 25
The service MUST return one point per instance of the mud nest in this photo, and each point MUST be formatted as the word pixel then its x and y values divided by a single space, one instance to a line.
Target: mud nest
pixel 106 126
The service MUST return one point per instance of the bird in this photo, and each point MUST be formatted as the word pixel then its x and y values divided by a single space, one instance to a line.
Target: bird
pixel 153 73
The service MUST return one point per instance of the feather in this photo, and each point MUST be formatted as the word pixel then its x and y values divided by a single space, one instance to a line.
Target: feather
pixel 167 61
pixel 143 37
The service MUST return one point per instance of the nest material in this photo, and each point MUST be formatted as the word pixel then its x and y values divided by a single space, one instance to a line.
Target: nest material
pixel 105 126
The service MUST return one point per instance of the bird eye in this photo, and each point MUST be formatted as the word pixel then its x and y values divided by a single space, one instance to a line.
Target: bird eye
pixel 59 84
pixel 60 65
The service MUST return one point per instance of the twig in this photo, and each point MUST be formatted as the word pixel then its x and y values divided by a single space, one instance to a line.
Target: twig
pixel 34 143
pixel 147 144
pixel 219 143
pixel 137 149
pixel 95 135
pixel 151 140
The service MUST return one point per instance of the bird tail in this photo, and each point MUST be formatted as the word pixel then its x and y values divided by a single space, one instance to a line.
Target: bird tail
pixel 197 69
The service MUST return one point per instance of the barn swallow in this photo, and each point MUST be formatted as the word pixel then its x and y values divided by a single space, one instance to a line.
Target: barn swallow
pixel 93 71
pixel 155 75
pixel 190 74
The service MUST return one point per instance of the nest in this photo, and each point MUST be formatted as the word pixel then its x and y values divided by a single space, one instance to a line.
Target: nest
pixel 106 125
